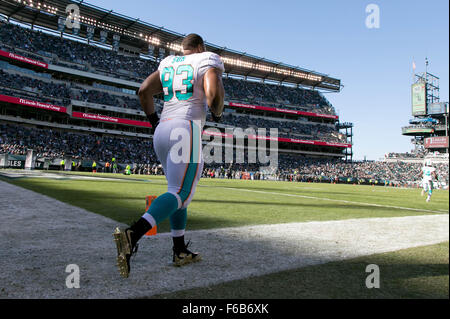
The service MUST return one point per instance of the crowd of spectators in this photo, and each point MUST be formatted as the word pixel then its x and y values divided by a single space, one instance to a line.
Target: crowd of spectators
pixel 48 143
pixel 33 96
pixel 413 155
pixel 51 144
pixel 304 169
pixel 57 93
pixel 91 58
pixel 100 97
pixel 148 169
pixel 399 172
pixel 231 172
pixel 46 91
pixel 16 139
pixel 289 129
pixel 277 95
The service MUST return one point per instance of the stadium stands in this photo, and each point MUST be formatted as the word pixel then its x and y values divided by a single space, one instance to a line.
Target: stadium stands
pixel 46 91
pixel 286 128
pixel 61 51
pixel 301 169
pixel 16 139
pixel 280 101
pixel 276 95
pixel 48 143
pixel 62 94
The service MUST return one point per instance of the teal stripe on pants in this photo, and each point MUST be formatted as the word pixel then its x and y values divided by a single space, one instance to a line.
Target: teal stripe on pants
pixel 191 171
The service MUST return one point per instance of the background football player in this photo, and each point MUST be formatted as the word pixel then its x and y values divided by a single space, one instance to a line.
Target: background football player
pixel 428 175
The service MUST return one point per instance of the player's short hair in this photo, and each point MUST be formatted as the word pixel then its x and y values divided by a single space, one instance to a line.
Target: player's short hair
pixel 191 41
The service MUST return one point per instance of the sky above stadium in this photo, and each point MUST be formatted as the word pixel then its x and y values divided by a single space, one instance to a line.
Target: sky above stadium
pixel 331 37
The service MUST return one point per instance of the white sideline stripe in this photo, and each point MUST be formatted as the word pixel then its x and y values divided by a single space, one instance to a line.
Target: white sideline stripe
pixel 338 200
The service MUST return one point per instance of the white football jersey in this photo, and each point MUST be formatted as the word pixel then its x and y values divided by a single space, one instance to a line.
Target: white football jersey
pixel 182 81
pixel 428 173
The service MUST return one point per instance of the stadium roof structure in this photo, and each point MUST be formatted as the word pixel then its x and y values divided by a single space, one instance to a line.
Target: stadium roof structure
pixel 140 34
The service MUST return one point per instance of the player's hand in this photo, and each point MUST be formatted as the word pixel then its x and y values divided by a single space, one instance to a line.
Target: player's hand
pixel 154 121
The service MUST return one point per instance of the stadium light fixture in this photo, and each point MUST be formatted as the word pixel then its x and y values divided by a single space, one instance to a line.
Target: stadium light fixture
pixel 37 5
pixel 178 47
pixel 174 47
pixel 152 40
pixel 266 68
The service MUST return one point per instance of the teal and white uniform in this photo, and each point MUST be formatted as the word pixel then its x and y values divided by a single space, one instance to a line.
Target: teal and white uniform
pixel 182 81
pixel 178 137
pixel 427 178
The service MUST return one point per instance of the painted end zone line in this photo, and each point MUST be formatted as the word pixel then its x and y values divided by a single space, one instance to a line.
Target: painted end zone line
pixel 337 200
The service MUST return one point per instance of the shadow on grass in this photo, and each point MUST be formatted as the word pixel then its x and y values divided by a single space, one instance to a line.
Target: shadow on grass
pixel 334 280
pixel 312 206
pixel 113 203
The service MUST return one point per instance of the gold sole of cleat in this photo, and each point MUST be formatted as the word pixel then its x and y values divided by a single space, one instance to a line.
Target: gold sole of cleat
pixel 121 242
pixel 122 249
pixel 122 265
pixel 186 260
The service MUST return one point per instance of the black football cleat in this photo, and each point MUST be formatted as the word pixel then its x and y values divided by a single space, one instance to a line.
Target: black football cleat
pixel 184 256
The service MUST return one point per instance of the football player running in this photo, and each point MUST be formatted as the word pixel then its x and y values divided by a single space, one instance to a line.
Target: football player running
pixel 191 84
pixel 428 175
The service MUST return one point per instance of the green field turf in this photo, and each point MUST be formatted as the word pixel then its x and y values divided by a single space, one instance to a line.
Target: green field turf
pixel 227 203
pixel 420 272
